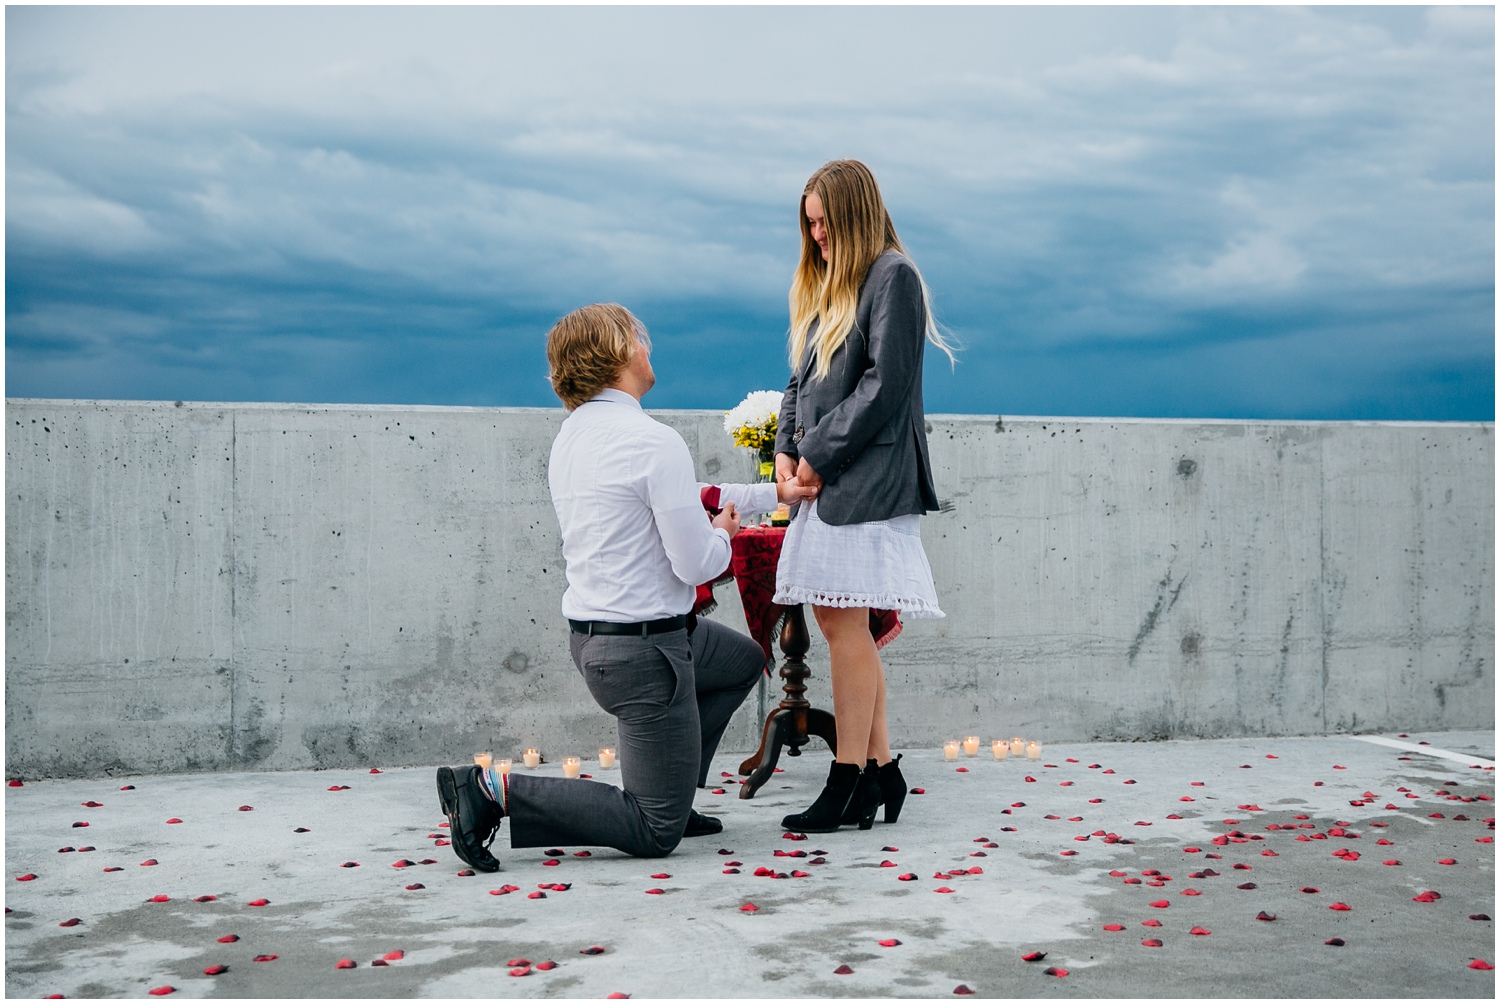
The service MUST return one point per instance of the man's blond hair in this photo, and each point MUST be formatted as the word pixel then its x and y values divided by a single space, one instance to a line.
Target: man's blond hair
pixel 589 349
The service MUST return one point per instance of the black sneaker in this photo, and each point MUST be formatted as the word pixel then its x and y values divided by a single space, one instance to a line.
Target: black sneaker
pixel 473 819
pixel 699 825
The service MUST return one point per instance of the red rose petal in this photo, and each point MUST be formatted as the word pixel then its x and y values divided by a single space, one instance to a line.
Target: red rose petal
pixel 265 958
pixel 204 899
pixel 91 804
pixel 160 898
pixel 962 990
pixel 259 902
pixel 625 997
pixel 1114 927
pixel 942 888
pixel 656 892
pixel 1054 971
pixel 466 873
pixel 215 970
pixel 1033 956
pixel 1447 861
pixel 345 964
pixel 1335 942
pixel 71 922
pixel 1341 907
pixel 1201 931
pixel 229 939
pixel 77 825
pixel 349 864
pixel 1152 942
pixel 546 966
pixel 520 971
pixel 1426 897
pixel 1479 916
pixel 1480 964
pixel 394 956
pixel 1392 861
pixel 1263 915
pixel 661 875
pixel 1151 923
pixel 174 819
pixel 1161 904
pixel 15 784
pixel 888 943
pixel 149 862
pixel 844 970
pixel 908 877
pixel 161 991
pixel 592 950
pixel 416 885
pixel 749 908
pixel 536 895
pixel 551 863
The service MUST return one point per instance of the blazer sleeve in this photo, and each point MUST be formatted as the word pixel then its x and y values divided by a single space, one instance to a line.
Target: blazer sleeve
pixel 786 422
pixel 894 342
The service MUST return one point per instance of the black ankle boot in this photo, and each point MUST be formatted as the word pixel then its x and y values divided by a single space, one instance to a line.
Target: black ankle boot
pixel 866 800
pixel 825 814
pixel 892 788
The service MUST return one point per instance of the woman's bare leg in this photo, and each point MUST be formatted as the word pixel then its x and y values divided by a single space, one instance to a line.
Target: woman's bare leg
pixel 858 684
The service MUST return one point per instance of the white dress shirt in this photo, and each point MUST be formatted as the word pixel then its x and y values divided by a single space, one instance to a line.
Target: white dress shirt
pixel 636 538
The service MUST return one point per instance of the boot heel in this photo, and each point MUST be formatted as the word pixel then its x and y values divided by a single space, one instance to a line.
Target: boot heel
pixel 892 789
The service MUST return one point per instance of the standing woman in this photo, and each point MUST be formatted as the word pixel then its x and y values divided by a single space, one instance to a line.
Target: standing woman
pixel 852 423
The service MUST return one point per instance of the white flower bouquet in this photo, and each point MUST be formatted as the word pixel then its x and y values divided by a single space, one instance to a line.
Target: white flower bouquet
pixel 752 424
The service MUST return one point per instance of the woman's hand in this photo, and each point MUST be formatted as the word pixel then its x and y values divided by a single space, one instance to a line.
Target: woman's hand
pixel 807 475
pixel 728 520
pixel 786 468
pixel 790 491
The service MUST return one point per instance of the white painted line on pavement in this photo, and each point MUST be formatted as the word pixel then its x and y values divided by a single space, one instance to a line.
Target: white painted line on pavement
pixel 1429 750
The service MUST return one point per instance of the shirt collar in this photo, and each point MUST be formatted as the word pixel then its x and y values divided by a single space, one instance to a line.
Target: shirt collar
pixel 617 397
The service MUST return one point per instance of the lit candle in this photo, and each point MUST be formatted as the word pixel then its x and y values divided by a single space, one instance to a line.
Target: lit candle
pixel 483 760
pixel 606 758
pixel 950 749
pixel 1018 746
pixel 503 766
pixel 531 757
pixel 1000 748
pixel 570 766
pixel 971 745
pixel 1033 750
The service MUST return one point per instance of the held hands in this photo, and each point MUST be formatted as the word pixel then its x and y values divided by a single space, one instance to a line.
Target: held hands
pixel 728 520
pixel 795 482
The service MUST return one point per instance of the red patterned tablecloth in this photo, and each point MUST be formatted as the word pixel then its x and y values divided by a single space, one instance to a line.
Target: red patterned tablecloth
pixel 756 550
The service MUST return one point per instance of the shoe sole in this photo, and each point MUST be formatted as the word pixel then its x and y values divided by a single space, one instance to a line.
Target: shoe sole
pixel 447 785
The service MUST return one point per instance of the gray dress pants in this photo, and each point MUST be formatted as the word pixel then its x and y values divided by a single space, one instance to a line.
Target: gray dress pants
pixel 672 694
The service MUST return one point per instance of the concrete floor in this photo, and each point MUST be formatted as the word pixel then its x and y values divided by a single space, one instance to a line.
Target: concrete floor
pixel 1049 880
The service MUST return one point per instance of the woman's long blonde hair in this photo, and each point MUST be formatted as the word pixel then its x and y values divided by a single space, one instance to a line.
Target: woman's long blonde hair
pixel 859 232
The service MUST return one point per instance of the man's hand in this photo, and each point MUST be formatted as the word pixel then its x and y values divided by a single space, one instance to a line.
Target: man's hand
pixel 728 519
pixel 807 475
pixel 788 492
pixel 786 468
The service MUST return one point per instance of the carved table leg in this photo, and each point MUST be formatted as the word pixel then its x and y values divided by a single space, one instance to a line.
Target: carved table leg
pixel 794 720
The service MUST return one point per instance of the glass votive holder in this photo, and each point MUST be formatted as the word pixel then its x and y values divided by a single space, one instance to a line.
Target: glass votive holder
pixel 483 760
pixel 950 749
pixel 570 766
pixel 1000 748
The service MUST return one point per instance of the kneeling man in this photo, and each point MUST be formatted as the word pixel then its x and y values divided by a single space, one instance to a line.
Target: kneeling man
pixel 636 541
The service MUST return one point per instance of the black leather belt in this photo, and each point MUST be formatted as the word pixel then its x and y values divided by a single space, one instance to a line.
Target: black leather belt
pixel 639 628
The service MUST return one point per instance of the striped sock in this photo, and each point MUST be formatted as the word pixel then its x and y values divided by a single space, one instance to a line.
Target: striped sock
pixel 493 786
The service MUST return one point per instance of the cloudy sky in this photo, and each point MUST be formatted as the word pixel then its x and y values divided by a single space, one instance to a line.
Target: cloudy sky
pixel 1174 212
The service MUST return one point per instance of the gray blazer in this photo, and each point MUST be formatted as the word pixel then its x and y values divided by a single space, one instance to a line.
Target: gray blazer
pixel 862 427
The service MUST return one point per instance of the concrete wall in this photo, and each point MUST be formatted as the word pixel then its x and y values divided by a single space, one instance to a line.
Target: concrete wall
pixel 207 587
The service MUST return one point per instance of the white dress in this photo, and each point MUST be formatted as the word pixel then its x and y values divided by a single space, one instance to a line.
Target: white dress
pixel 880 564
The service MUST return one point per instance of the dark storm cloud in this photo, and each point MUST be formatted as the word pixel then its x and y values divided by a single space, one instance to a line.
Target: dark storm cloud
pixel 1163 211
